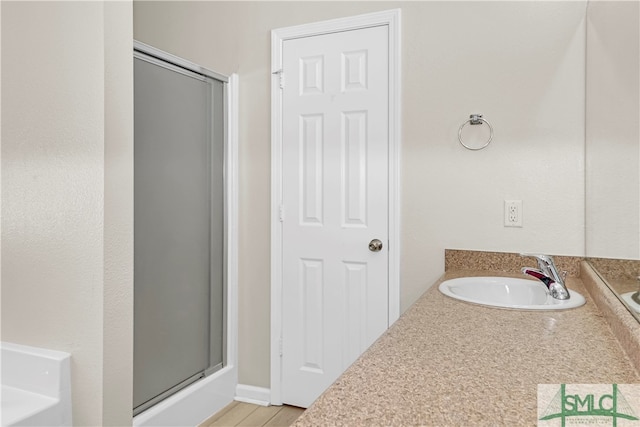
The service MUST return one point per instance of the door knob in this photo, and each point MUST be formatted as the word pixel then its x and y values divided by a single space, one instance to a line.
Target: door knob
pixel 375 245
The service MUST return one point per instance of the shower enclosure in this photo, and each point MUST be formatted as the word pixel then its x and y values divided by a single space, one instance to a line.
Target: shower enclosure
pixel 179 224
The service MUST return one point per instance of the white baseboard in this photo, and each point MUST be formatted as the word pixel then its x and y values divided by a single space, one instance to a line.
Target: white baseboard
pixel 251 394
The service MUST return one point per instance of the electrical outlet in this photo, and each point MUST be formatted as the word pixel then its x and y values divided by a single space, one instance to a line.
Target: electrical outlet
pixel 513 213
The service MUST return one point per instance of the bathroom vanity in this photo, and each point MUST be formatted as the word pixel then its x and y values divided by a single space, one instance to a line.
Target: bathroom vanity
pixel 450 363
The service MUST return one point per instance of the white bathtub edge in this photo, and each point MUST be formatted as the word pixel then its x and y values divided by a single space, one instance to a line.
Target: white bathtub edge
pixel 41 374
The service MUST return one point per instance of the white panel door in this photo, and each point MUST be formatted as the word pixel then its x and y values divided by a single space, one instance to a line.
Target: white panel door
pixel 335 202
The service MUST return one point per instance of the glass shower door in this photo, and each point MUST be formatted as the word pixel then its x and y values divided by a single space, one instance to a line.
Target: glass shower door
pixel 178 228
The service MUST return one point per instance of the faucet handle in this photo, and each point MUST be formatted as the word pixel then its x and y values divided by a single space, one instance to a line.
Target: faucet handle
pixel 546 264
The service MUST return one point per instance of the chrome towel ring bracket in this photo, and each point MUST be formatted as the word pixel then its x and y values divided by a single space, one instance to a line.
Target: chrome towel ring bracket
pixel 475 119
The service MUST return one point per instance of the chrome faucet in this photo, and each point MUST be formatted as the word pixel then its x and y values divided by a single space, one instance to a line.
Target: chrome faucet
pixel 548 274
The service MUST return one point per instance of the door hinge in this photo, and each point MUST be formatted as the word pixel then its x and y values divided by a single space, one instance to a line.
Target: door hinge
pixel 281 213
pixel 280 74
pixel 280 346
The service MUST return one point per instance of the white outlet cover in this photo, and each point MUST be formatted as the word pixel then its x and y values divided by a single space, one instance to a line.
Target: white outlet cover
pixel 513 213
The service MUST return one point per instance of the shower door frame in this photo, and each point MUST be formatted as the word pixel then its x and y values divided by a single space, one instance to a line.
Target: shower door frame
pixel 225 373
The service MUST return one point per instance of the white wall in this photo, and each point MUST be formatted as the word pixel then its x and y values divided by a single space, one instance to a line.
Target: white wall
pixel 519 63
pixel 67 185
pixel 613 130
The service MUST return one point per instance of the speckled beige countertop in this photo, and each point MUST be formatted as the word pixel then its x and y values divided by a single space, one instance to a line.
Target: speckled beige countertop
pixel 449 363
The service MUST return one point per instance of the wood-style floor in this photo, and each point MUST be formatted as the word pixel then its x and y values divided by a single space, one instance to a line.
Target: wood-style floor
pixel 246 414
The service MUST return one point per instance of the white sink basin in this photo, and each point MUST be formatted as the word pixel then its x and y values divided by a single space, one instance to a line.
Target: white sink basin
pixel 507 292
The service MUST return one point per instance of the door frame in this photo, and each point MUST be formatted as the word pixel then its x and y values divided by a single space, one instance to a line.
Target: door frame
pixel 391 19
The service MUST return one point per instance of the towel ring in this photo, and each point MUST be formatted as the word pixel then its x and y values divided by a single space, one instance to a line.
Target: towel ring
pixel 475 119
